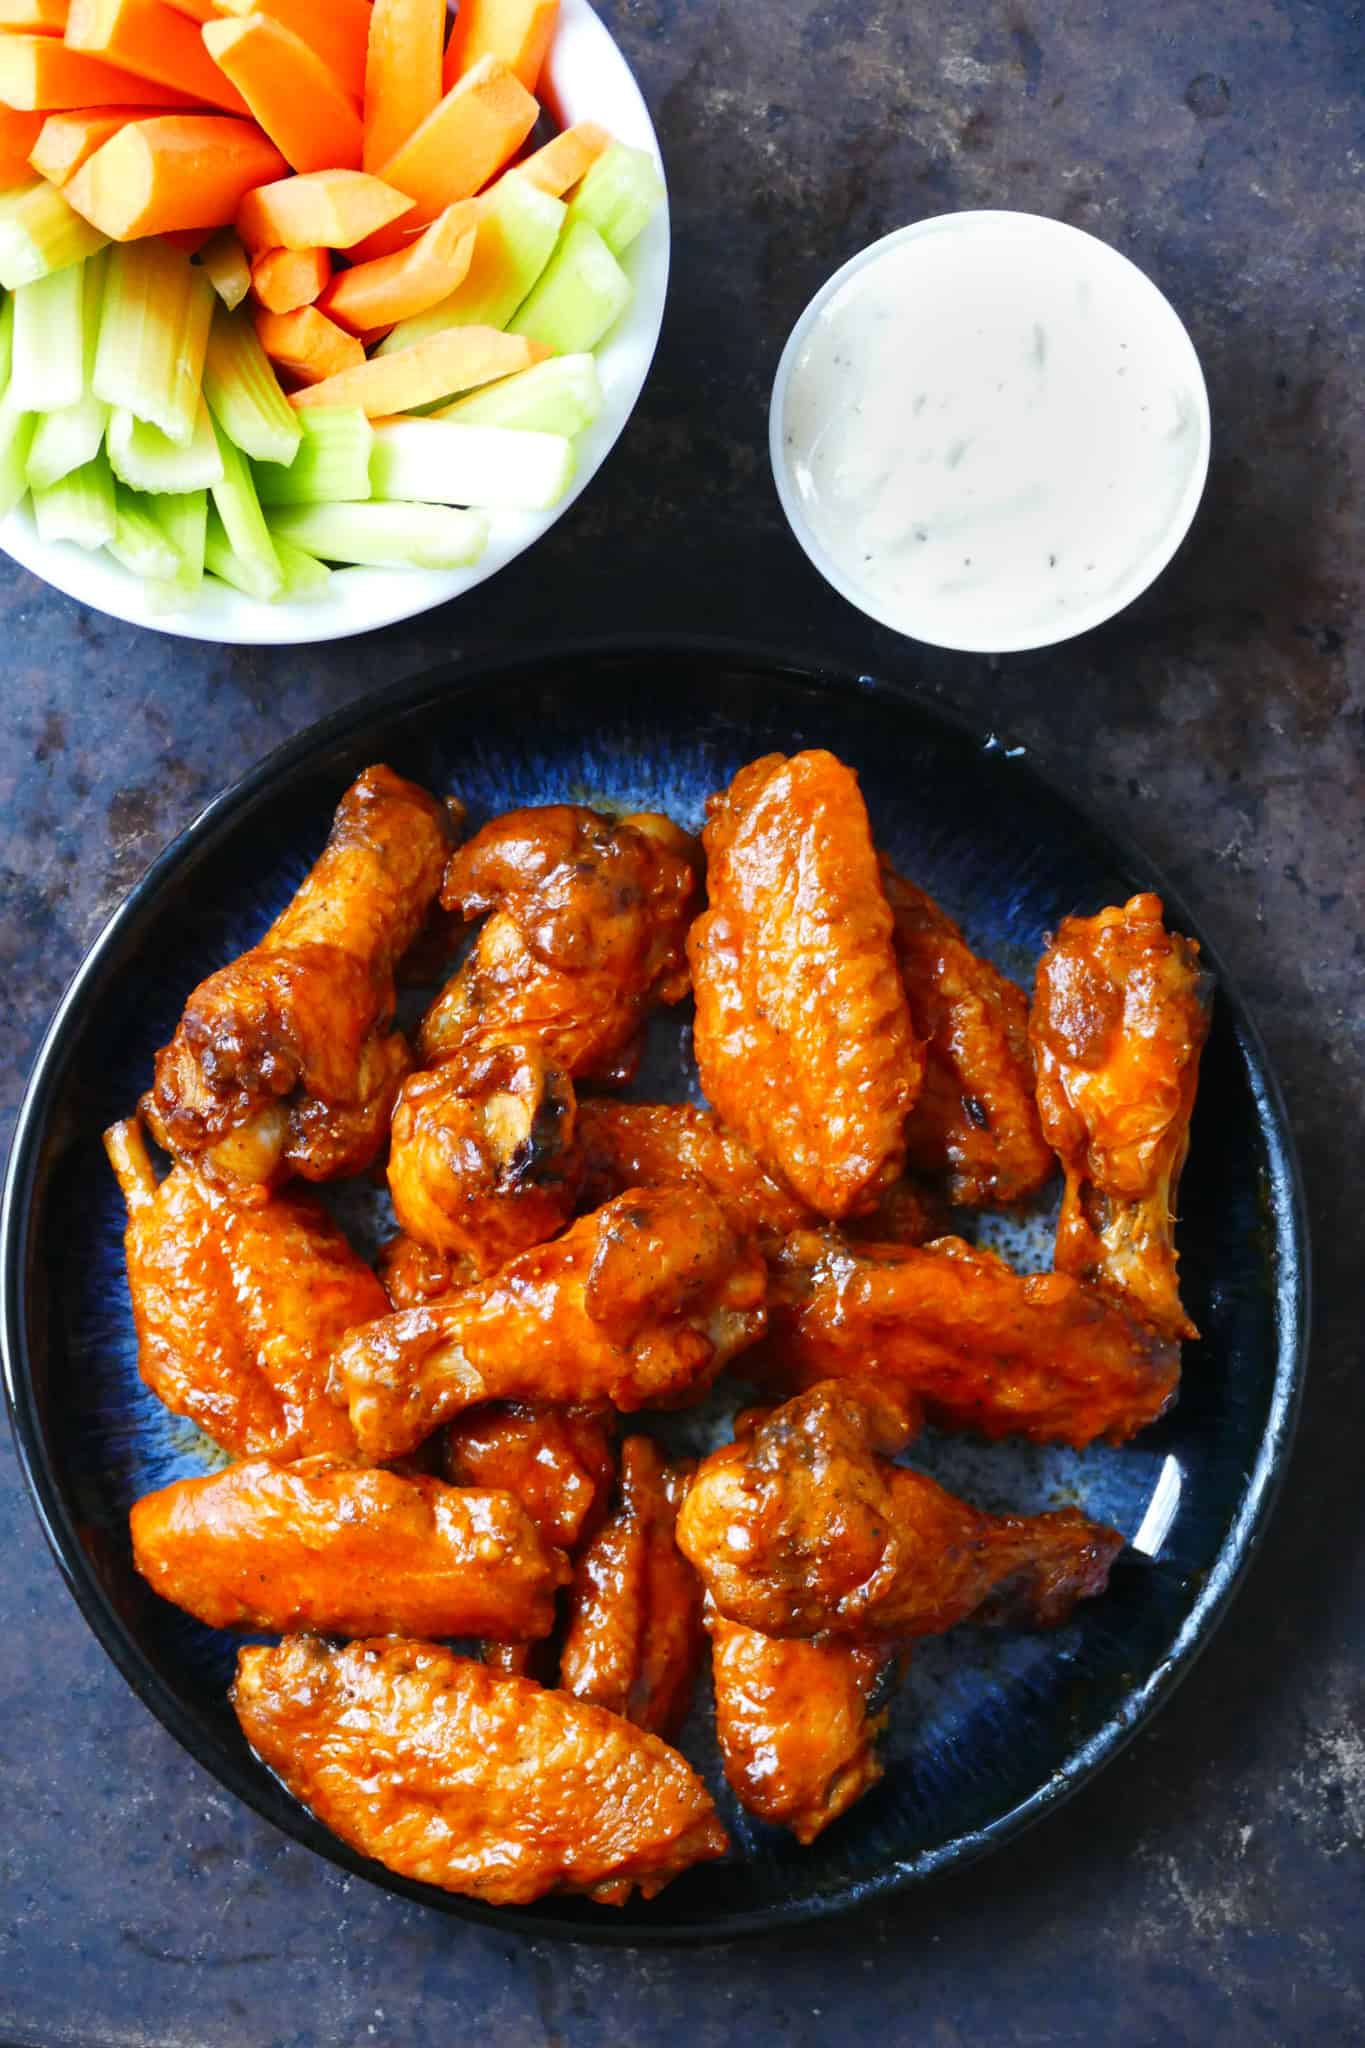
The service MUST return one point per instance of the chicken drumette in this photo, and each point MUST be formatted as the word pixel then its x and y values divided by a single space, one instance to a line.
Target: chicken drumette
pixel 983 1347
pixel 1120 1015
pixel 634 1639
pixel 285 1061
pixel 798 1721
pixel 800 1526
pixel 482 1162
pixel 238 1310
pixel 320 1545
pixel 975 1121
pixel 585 924
pixel 483 1784
pixel 803 1035
pixel 638 1304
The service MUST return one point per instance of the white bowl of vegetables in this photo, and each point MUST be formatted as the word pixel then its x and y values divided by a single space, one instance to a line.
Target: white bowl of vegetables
pixel 158 465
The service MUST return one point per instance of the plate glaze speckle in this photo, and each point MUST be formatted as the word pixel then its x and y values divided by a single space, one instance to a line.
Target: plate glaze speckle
pixel 990 1729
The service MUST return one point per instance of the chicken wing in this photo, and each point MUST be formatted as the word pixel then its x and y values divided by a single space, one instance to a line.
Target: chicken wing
pixel 803 1034
pixel 976 1120
pixel 1120 1015
pixel 585 935
pixel 482 1161
pixel 984 1347
pixel 322 1546
pixel 634 1639
pixel 558 1462
pixel 798 1721
pixel 640 1304
pixel 800 1527
pixel 285 1061
pixel 413 1273
pixel 238 1310
pixel 486 1785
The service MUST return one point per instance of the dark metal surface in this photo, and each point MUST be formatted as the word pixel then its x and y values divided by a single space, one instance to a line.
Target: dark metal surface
pixel 1208 1888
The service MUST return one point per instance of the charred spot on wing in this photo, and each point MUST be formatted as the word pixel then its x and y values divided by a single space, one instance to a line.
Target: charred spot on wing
pixel 976 1112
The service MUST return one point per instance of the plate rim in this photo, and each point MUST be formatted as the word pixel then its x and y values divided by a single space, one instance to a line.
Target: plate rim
pixel 1292 1293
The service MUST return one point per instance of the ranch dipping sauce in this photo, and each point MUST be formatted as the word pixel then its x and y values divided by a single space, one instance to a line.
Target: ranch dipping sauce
pixel 990 431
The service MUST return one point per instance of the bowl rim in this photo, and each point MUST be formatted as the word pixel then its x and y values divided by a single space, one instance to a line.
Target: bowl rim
pixel 365 600
pixel 209 829
pixel 1098 253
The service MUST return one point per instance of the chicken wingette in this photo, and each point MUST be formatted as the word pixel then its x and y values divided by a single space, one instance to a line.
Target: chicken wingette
pixel 321 1546
pixel 238 1309
pixel 286 1061
pixel 1120 1015
pixel 460 1777
pixel 803 1035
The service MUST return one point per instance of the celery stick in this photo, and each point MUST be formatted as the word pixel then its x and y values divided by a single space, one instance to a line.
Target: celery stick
pixel 67 440
pixel 582 293
pixel 305 576
pixel 138 542
pixel 518 228
pixel 153 332
pixel 440 463
pixel 79 507
pixel 224 259
pixel 241 387
pixel 144 459
pixel 333 462
pixel 16 427
pixel 384 536
pixel 48 368
pixel 239 510
pixel 40 233
pixel 561 396
pixel 619 195
pixel 183 519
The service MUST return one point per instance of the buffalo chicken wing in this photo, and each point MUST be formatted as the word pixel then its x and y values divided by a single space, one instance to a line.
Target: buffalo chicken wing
pixel 983 1347
pixel 238 1310
pixel 803 1035
pixel 460 1777
pixel 285 1061
pixel 1120 1015
pixel 800 1526
pixel 322 1546
pixel 584 931
pixel 639 1304
pixel 634 1639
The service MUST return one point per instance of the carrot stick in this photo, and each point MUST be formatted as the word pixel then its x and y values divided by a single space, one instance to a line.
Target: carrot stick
pixel 402 73
pixel 188 240
pixel 517 31
pixel 40 74
pixel 479 124
pixel 302 106
pixel 377 295
pixel 19 135
pixel 455 360
pixel 323 210
pixel 194 10
pixel 308 345
pixel 43 17
pixel 152 41
pixel 339 31
pixel 177 171
pixel 285 279
pixel 69 139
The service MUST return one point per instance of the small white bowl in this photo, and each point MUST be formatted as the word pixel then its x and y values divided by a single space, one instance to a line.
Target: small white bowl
pixel 587 79
pixel 1012 491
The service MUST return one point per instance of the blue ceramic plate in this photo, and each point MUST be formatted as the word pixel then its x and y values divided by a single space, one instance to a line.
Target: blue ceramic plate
pixel 991 1730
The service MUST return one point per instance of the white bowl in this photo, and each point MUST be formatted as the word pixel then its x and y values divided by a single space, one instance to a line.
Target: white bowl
pixel 587 79
pixel 1063 450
